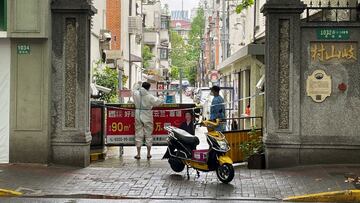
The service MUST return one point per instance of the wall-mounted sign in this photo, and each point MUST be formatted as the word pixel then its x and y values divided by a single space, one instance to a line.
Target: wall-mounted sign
pixel 318 86
pixel 332 33
pixel 214 76
pixel 334 52
pixel 23 49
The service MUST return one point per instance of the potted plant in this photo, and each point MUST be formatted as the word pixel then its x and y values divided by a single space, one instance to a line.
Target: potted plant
pixel 253 150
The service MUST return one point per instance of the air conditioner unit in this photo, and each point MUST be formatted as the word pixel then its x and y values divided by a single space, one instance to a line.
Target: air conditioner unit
pixel 135 25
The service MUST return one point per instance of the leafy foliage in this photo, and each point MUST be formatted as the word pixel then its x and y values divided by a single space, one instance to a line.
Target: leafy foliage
pixel 108 77
pixel 147 56
pixel 253 146
pixel 244 5
pixel 186 56
pixel 174 74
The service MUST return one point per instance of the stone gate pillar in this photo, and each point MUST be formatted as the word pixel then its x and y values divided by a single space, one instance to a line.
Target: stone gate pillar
pixel 282 87
pixel 70 133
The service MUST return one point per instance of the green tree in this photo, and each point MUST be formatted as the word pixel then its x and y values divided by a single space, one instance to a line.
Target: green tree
pixel 108 77
pixel 147 56
pixel 178 50
pixel 174 73
pixel 177 54
pixel 186 56
pixel 244 5
pixel 194 47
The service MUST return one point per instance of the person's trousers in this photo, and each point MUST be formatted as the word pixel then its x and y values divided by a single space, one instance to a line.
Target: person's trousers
pixel 143 130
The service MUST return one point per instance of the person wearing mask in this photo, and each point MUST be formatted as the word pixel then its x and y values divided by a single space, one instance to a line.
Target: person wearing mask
pixel 188 124
pixel 144 102
pixel 217 109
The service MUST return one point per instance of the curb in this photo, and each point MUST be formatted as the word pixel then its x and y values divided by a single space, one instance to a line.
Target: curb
pixel 9 193
pixel 336 196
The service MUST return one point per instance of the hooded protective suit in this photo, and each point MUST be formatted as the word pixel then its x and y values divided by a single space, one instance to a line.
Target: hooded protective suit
pixel 144 102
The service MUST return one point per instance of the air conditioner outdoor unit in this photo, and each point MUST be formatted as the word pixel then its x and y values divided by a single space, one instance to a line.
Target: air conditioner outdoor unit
pixel 135 25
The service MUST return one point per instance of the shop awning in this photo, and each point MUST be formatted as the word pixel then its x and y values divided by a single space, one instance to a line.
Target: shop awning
pixel 249 50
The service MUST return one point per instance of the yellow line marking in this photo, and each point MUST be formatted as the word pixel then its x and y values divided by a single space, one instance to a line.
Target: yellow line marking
pixel 336 196
pixel 7 193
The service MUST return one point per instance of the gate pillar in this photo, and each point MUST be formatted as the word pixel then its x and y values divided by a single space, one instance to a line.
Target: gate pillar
pixel 70 107
pixel 282 87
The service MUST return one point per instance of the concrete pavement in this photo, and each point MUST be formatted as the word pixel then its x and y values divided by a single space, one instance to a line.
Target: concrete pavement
pixel 155 180
pixel 125 177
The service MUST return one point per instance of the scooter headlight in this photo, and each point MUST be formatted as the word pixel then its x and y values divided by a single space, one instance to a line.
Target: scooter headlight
pixel 223 145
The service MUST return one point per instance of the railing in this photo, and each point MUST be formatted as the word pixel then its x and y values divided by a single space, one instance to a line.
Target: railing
pixel 244 123
pixel 325 11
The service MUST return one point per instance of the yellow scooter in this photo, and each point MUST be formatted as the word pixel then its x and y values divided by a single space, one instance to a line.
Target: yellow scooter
pixel 182 152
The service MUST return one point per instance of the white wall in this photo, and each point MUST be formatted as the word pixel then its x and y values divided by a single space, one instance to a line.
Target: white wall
pixel 126 41
pixel 153 14
pixel 99 22
pixel 4 99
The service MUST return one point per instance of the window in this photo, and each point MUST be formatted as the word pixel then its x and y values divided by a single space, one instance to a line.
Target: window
pixel 3 13
pixel 163 53
pixel 164 22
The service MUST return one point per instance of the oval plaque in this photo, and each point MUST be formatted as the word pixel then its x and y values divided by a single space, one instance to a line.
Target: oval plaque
pixel 318 86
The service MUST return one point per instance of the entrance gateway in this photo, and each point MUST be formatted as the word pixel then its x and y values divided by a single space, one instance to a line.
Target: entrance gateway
pixel 312 83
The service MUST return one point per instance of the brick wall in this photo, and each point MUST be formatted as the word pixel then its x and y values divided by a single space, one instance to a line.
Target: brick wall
pixel 113 22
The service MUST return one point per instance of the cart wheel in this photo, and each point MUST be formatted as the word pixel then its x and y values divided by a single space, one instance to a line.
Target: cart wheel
pixel 225 173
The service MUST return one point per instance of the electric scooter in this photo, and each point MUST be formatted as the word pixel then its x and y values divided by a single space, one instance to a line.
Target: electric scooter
pixel 182 152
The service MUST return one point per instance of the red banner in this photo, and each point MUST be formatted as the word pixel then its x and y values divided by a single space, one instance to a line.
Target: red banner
pixel 120 128
pixel 96 125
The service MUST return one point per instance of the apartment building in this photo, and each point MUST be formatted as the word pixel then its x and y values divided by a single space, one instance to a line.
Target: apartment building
pixel 5 64
pixel 181 23
pixel 243 67
pixel 131 41
pixel 156 37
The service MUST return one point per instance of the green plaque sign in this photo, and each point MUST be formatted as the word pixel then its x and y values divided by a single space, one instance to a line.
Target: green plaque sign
pixel 23 49
pixel 332 33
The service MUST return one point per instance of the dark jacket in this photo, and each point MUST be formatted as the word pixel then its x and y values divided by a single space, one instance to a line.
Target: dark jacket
pixel 188 128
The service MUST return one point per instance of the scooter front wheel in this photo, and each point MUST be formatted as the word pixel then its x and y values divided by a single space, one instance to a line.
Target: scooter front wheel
pixel 176 164
pixel 225 173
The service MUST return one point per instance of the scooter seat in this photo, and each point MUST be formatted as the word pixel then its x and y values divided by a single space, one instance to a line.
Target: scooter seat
pixel 186 138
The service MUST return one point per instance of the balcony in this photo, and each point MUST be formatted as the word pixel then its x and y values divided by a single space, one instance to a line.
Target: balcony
pixel 164 37
pixel 150 37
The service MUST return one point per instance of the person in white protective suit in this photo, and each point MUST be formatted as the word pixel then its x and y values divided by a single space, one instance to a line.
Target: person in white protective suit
pixel 144 102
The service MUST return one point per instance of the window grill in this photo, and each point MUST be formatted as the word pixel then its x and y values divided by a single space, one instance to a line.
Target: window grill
pixel 326 11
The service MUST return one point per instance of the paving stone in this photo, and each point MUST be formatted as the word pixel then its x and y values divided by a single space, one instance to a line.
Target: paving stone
pixel 152 182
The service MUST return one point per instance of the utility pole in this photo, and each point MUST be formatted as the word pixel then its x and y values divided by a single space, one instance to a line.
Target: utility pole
pixel 120 74
pixel 224 44
pixel 182 9
pixel 180 81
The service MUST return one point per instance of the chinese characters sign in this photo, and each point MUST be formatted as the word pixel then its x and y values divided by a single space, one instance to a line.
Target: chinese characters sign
pixel 334 51
pixel 23 49
pixel 120 128
pixel 332 34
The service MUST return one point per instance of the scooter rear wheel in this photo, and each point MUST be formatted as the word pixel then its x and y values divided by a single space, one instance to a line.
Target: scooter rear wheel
pixel 176 164
pixel 225 173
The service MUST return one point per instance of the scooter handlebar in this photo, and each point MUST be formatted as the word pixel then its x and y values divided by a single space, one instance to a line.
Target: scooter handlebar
pixel 208 123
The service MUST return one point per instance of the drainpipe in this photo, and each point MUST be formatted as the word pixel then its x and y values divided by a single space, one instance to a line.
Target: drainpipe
pixel 255 16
